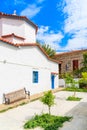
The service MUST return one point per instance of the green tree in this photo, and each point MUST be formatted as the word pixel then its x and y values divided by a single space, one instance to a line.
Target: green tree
pixel 51 52
pixel 83 80
pixel 84 68
pixel 48 99
pixel 68 79
pixel 85 59
pixel 79 71
pixel 71 82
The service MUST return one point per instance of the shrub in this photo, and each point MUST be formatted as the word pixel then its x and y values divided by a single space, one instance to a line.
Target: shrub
pixel 46 121
pixel 72 98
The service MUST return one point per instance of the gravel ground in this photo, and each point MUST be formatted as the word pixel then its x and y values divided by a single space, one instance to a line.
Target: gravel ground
pixel 15 118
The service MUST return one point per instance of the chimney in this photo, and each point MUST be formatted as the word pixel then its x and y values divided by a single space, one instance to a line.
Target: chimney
pixel 14 13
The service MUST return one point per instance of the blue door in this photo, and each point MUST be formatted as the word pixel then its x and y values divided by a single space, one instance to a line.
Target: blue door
pixel 52 81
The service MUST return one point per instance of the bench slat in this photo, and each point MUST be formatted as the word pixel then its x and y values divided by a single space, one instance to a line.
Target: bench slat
pixel 15 96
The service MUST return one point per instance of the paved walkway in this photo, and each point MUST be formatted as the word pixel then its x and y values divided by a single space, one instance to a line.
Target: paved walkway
pixel 15 118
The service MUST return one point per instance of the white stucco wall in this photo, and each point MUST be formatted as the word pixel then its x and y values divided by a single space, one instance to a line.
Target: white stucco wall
pixel 0 27
pixel 17 65
pixel 12 26
pixel 17 40
pixel 30 33
pixel 19 28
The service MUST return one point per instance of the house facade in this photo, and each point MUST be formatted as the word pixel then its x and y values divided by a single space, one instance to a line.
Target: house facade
pixel 23 63
pixel 70 61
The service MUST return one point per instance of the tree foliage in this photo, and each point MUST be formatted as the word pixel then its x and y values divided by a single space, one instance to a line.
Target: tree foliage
pixel 85 59
pixel 51 52
pixel 83 80
pixel 68 78
pixel 48 99
pixel 84 68
pixel 71 82
pixel 78 72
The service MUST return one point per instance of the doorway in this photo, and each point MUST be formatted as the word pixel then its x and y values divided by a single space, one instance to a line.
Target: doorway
pixel 52 81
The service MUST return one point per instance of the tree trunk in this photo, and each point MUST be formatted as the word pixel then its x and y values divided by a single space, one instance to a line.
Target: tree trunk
pixel 74 93
pixel 49 111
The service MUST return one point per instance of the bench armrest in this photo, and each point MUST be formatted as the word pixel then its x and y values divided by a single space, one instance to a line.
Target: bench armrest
pixel 6 100
pixel 27 92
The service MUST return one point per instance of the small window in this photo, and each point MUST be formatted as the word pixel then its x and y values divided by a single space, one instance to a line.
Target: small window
pixel 75 65
pixel 67 67
pixel 35 76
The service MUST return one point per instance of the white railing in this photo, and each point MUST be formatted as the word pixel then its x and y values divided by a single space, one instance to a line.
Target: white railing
pixel 62 82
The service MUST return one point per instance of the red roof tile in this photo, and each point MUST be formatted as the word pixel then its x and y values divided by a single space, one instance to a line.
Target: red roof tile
pixel 54 73
pixel 12 35
pixel 71 52
pixel 6 41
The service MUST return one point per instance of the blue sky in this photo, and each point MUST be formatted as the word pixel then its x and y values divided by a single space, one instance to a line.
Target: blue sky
pixel 61 23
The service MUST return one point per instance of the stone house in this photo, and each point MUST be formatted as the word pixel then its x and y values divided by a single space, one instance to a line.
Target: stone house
pixel 23 63
pixel 70 61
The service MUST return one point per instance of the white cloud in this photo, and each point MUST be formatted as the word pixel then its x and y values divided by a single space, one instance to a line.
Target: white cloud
pixel 76 43
pixel 16 2
pixel 40 1
pixel 77 15
pixel 49 37
pixel 31 10
pixel 76 23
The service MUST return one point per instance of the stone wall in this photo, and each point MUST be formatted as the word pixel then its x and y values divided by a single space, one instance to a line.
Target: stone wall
pixel 67 60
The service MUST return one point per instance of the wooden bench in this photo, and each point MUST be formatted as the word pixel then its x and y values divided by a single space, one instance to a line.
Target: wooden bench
pixel 15 96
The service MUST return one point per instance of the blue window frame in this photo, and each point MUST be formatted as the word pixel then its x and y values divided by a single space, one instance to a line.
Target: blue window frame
pixel 35 76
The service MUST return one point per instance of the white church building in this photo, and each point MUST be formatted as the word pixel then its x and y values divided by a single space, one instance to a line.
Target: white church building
pixel 23 63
